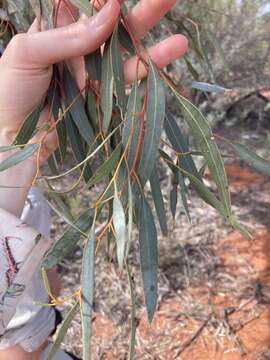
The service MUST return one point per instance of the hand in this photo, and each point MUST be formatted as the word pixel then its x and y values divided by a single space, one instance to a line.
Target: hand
pixel 26 66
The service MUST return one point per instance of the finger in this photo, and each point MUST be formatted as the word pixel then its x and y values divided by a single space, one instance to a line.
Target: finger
pixel 161 54
pixel 52 46
pixel 146 14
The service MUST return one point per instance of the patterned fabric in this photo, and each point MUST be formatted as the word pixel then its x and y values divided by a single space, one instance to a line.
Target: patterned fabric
pixel 21 251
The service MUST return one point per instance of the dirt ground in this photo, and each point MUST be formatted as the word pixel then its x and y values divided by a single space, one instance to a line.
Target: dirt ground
pixel 214 286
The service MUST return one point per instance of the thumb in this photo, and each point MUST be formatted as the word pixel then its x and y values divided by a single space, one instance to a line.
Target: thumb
pixel 49 47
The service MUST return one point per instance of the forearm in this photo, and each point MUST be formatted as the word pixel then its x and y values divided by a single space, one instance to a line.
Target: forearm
pixel 15 182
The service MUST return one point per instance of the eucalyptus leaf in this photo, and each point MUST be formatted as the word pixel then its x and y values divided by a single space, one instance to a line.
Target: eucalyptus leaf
pixel 119 223
pixel 68 241
pixel 93 64
pixel 28 127
pixel 61 333
pixel 118 72
pixel 18 156
pixel 88 292
pixel 106 88
pixel 205 140
pixel 74 101
pixel 155 114
pixel 158 201
pixel 148 256
pixel 83 5
pixel 202 86
pixel 252 159
pixel 106 168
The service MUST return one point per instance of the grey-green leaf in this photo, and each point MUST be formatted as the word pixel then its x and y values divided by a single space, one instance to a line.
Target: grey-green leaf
pixel 68 240
pixel 83 6
pixel 125 39
pixel 18 156
pixel 208 87
pixel 252 159
pixel 155 114
pixel 28 127
pixel 179 144
pixel 118 72
pixel 88 292
pixel 106 168
pixel 61 333
pixel 204 138
pixel 158 201
pixel 119 223
pixel 106 88
pixel 148 256
pixel 77 110
pixel 93 65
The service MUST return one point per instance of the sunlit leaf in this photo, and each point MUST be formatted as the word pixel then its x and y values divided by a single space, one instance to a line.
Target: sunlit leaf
pixel 68 241
pixel 155 114
pixel 88 292
pixel 28 127
pixel 119 223
pixel 158 201
pixel 252 159
pixel 61 333
pixel 18 156
pixel 148 256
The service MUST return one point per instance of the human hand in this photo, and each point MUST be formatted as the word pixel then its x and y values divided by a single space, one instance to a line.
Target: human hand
pixel 26 66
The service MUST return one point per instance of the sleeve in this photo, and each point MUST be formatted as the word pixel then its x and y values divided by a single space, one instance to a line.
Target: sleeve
pixel 22 249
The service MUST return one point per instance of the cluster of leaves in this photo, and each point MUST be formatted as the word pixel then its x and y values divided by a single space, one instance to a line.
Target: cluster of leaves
pixel 124 131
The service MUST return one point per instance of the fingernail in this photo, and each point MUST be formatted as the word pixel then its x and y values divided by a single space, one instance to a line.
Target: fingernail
pixel 103 14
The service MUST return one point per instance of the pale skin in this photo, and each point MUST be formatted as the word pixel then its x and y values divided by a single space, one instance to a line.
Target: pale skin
pixel 26 70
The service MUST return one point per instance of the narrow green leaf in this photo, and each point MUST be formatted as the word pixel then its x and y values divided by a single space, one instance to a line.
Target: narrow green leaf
pixel 52 163
pixel 148 256
pixel 83 6
pixel 91 109
pixel 197 185
pixel 179 144
pixel 125 39
pixel 77 146
pixel 118 72
pixel 61 333
pixel 28 127
pixel 9 148
pixel 205 140
pixel 56 108
pixel 119 223
pixel 18 156
pixel 106 88
pixel 130 216
pixel 106 168
pixel 68 241
pixel 173 199
pixel 131 125
pixel 88 292
pixel 77 110
pixel 155 114
pixel 93 65
pixel 192 69
pixel 252 159
pixel 183 192
pixel 158 201
pixel 58 200
pixel 47 12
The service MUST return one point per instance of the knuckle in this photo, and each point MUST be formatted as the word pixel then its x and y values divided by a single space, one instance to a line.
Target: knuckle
pixel 17 43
